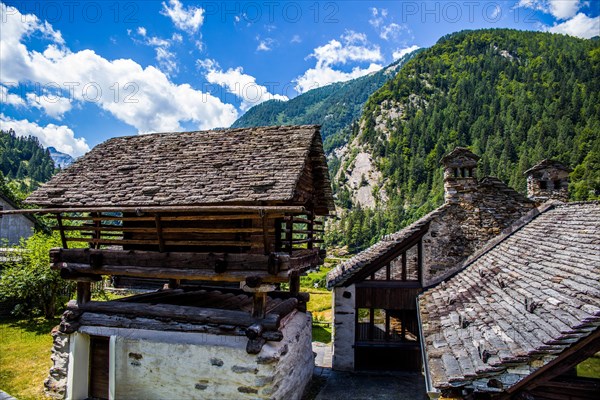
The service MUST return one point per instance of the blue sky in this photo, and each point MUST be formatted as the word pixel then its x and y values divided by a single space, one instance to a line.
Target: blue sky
pixel 75 73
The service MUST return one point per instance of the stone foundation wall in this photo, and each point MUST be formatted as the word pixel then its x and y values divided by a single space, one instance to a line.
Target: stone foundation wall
pixel 343 328
pixel 157 365
pixel 56 383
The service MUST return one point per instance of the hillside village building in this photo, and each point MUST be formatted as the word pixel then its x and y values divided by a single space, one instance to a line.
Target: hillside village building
pixel 222 218
pixel 13 228
pixel 492 294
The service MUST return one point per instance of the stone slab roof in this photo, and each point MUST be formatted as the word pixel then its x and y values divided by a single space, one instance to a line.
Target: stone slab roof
pixel 249 165
pixel 345 271
pixel 518 303
pixel 547 164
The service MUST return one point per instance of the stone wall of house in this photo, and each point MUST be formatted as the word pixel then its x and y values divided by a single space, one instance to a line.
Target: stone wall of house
pixel 158 365
pixel 56 383
pixel 343 328
pixel 462 227
pixel 548 183
pixel 13 227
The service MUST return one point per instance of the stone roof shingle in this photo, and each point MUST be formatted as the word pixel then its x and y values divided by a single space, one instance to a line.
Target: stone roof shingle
pixel 526 297
pixel 248 165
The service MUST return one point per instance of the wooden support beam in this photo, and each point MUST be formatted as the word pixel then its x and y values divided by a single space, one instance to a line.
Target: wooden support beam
pixel 152 230
pixel 294 283
pixel 163 209
pixel 177 313
pixel 150 242
pixel 159 233
pixel 265 232
pixel 75 271
pixel 420 260
pixel 259 304
pixel 97 224
pixel 191 260
pixel 84 292
pixel 285 307
pixel 289 236
pixel 63 238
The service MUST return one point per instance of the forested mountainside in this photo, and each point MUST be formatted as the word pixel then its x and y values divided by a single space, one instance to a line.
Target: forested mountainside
pixel 24 163
pixel 334 106
pixel 513 97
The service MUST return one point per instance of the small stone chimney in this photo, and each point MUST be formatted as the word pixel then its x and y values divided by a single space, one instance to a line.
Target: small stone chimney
pixel 548 180
pixel 460 180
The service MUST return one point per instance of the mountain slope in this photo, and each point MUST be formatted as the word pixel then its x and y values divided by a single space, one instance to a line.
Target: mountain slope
pixel 513 97
pixel 334 106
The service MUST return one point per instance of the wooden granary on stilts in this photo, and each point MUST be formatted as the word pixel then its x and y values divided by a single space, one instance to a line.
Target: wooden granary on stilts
pixel 222 218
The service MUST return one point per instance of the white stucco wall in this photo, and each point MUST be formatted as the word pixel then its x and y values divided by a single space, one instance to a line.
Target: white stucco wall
pixel 148 365
pixel 13 227
pixel 343 328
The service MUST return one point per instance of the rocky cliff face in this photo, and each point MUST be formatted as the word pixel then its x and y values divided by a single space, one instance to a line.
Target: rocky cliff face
pixel 61 160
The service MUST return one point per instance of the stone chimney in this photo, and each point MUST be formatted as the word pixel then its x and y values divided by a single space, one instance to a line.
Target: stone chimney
pixel 460 180
pixel 548 180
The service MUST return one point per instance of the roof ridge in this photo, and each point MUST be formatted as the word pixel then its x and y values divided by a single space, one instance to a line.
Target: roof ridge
pixel 215 130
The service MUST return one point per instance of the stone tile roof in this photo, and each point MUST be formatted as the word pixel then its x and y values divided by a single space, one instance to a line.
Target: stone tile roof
pixel 249 165
pixel 459 152
pixel 547 164
pixel 518 303
pixel 498 186
pixel 343 272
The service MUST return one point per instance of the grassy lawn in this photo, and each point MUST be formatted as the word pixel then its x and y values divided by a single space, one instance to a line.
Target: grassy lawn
pixel 319 304
pixel 590 368
pixel 25 356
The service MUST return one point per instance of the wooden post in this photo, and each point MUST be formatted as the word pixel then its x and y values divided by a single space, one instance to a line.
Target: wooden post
pixel 97 233
pixel 161 241
pixel 265 230
pixel 309 228
pixel 259 305
pixel 404 266
pixel 84 292
pixel 289 227
pixel 294 283
pixel 278 223
pixel 63 239
pixel 420 260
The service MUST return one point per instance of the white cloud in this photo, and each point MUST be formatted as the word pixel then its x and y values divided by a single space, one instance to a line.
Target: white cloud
pixel 59 136
pixel 391 31
pixel 564 9
pixel 580 25
pixel 265 44
pixel 560 9
pixel 185 19
pixel 144 98
pixel 379 16
pixel 242 85
pixel 402 52
pixel 296 39
pixel 10 98
pixel 165 58
pixel 354 48
pixel 318 77
pixel 53 105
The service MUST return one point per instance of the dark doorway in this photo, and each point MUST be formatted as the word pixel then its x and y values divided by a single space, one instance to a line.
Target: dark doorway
pixel 99 357
pixel 387 340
